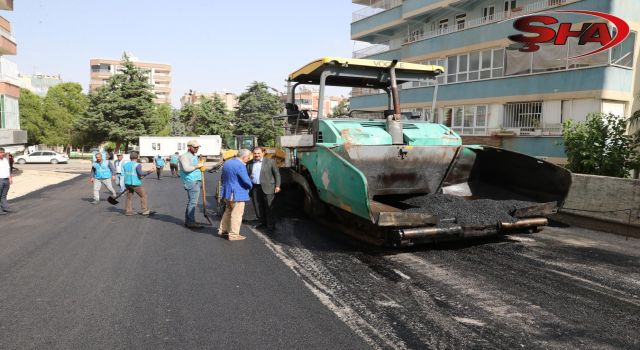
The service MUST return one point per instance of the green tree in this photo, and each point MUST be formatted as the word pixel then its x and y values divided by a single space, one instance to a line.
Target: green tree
pixel 32 116
pixel 342 109
pixel 599 146
pixel 188 117
pixel 63 107
pixel 122 110
pixel 162 125
pixel 256 109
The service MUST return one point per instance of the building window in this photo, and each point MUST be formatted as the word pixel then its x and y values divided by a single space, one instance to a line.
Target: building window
pixel 526 115
pixel 182 146
pixel 510 5
pixel 468 120
pixel 443 25
pixel 155 146
pixel 460 21
pixel 488 13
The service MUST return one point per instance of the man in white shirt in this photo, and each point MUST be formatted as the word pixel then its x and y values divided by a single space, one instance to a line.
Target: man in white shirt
pixel 5 182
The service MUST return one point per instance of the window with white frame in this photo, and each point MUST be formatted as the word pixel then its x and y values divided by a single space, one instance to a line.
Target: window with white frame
pixel 461 20
pixel 467 120
pixel 477 65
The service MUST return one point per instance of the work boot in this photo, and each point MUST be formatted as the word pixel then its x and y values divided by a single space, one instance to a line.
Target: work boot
pixel 193 225
pixel 129 213
pixel 147 212
pixel 223 233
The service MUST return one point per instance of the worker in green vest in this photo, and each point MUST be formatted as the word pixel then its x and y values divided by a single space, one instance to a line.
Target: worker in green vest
pixel 133 175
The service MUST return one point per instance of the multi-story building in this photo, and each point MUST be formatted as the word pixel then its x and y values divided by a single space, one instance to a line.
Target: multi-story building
pixel 309 99
pixel 39 83
pixel 230 99
pixel 11 137
pixel 491 92
pixel 159 75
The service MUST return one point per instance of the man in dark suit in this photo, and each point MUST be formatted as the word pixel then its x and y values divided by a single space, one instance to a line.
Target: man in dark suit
pixel 265 177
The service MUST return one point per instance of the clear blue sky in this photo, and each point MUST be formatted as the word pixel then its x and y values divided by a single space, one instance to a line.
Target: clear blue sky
pixel 211 45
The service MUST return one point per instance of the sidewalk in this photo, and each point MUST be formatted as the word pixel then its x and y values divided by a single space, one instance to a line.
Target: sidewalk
pixel 33 180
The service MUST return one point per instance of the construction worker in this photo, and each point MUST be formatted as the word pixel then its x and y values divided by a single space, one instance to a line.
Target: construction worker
pixel 133 175
pixel 173 163
pixel 102 173
pixel 191 170
pixel 118 163
pixel 159 165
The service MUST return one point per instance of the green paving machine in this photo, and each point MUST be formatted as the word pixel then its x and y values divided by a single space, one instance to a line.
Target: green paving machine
pixel 358 173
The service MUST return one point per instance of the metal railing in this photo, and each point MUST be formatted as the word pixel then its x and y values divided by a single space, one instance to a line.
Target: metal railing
pixel 375 8
pixel 523 115
pixel 390 45
pixel 371 50
pixel 497 17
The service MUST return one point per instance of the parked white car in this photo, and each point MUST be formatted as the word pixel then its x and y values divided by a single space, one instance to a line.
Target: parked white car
pixel 42 157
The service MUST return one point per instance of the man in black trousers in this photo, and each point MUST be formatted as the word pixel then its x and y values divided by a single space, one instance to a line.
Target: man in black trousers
pixel 265 177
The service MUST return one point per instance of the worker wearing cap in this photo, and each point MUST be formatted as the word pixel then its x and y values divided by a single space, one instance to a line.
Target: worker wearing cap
pixel 133 175
pixel 191 174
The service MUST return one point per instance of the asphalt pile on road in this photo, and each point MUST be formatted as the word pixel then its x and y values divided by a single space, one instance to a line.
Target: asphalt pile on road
pixel 454 210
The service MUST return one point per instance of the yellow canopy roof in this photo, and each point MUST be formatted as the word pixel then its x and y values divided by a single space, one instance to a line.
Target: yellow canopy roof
pixel 311 72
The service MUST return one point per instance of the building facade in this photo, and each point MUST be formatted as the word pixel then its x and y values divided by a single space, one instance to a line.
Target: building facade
pixel 491 92
pixel 309 99
pixel 159 75
pixel 229 99
pixel 38 83
pixel 11 137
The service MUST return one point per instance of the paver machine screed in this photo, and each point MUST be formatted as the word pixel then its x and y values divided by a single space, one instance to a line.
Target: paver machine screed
pixel 400 181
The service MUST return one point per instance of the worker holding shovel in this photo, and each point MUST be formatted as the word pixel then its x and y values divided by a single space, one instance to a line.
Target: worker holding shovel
pixel 191 170
pixel 133 175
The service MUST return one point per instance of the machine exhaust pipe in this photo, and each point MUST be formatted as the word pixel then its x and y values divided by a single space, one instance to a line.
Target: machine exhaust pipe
pixel 394 126
pixel 523 224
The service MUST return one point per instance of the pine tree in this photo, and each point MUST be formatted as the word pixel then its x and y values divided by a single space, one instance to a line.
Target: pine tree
pixel 256 109
pixel 122 110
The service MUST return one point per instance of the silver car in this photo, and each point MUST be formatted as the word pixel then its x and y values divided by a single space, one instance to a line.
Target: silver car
pixel 42 157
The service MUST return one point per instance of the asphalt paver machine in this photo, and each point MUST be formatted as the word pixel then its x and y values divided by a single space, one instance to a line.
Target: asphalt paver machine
pixel 401 181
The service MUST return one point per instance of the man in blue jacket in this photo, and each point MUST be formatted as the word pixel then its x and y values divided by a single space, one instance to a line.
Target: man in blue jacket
pixel 235 192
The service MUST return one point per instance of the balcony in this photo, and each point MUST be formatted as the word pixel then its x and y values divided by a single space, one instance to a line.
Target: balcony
pixel 374 8
pixel 5 25
pixel 393 44
pixel 12 137
pixel 376 23
pixel 7 43
pixel 495 18
pixel 6 5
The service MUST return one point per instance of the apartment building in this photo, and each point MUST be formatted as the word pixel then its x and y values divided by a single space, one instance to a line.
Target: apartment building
pixel 39 83
pixel 491 92
pixel 11 137
pixel 159 75
pixel 230 99
pixel 309 99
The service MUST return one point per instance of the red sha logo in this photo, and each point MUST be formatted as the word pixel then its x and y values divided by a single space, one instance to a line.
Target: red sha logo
pixel 590 32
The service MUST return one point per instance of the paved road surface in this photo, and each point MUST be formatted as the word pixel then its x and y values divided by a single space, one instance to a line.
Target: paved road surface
pixel 75 275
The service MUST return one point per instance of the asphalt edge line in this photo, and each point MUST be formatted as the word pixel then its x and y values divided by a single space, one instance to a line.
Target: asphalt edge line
pixel 34 193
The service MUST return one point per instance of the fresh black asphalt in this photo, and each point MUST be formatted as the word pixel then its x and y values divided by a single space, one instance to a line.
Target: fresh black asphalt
pixel 82 276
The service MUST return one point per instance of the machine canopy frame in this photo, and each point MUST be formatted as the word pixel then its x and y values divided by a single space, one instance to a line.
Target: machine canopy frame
pixel 361 73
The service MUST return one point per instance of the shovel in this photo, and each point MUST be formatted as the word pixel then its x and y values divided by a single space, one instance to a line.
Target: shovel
pixel 113 200
pixel 204 200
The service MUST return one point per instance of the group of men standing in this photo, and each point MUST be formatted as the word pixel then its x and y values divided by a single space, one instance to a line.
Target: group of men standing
pixel 243 179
